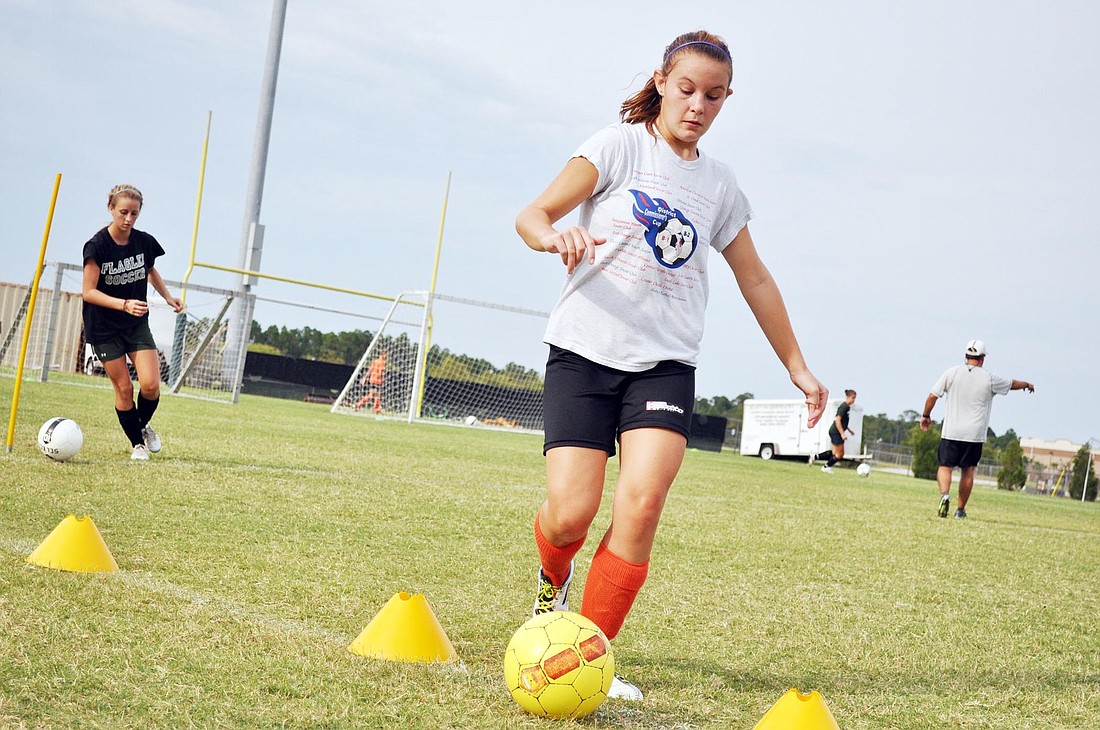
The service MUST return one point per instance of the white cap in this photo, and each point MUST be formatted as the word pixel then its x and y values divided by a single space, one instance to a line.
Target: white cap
pixel 975 348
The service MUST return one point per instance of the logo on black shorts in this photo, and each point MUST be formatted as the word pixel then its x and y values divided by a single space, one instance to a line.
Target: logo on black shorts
pixel 660 405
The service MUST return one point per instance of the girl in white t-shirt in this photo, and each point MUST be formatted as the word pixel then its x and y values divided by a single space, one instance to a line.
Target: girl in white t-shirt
pixel 625 333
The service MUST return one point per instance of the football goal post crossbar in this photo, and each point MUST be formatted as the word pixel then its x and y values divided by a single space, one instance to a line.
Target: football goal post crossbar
pixel 300 282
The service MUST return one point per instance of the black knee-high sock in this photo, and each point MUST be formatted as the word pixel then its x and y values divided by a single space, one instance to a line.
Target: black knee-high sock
pixel 146 408
pixel 832 460
pixel 131 424
pixel 825 455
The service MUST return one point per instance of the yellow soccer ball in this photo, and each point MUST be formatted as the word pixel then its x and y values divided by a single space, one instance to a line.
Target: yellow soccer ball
pixel 559 664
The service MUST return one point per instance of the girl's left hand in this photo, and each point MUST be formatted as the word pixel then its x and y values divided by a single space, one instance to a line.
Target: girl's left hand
pixel 175 304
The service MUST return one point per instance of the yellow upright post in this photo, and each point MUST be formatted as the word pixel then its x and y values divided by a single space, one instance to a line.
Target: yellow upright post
pixel 30 314
pixel 198 210
pixel 179 334
pixel 431 295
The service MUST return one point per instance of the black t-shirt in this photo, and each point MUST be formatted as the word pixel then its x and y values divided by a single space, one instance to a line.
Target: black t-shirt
pixel 123 272
pixel 842 411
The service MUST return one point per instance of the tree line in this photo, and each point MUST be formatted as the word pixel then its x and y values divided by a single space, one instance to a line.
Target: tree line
pixel 347 347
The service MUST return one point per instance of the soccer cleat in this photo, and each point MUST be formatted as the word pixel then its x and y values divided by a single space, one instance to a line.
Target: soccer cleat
pixel 827 469
pixel 140 453
pixel 960 514
pixel 551 597
pixel 623 690
pixel 945 505
pixel 152 441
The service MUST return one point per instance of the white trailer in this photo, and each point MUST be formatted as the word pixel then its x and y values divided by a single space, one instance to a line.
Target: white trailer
pixel 778 428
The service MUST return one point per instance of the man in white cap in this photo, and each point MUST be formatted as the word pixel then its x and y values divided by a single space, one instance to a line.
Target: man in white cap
pixel 969 390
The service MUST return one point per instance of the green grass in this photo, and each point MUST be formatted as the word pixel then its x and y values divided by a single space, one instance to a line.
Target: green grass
pixel 265 536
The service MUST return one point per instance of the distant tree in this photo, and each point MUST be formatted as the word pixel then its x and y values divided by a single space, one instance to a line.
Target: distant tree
pixel 879 428
pixel 1077 481
pixel 925 444
pixel 344 348
pixel 1000 442
pixel 1013 472
pixel 720 405
pixel 262 348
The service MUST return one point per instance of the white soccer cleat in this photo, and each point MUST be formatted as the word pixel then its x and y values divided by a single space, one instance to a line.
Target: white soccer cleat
pixel 827 469
pixel 623 690
pixel 152 440
pixel 140 453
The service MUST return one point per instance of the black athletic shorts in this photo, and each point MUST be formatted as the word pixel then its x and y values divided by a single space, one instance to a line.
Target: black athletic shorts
pixel 834 436
pixel 963 454
pixel 587 404
pixel 138 337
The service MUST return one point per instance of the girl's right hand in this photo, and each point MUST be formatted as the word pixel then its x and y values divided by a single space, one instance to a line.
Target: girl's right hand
pixel 573 245
pixel 817 395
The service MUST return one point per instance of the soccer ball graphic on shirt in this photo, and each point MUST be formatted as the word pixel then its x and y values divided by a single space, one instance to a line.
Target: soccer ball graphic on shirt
pixel 559 664
pixel 60 438
pixel 673 243
pixel 864 470
pixel 667 230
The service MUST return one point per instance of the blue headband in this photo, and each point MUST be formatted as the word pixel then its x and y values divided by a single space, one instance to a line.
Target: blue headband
pixel 698 43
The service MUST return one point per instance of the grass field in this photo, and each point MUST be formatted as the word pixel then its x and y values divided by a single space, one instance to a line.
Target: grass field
pixel 265 536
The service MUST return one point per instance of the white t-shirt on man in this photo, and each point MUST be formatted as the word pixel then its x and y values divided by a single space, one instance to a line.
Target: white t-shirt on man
pixel 644 299
pixel 969 390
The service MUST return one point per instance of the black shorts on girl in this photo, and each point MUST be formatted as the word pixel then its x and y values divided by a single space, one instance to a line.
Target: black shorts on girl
pixel 138 337
pixel 588 405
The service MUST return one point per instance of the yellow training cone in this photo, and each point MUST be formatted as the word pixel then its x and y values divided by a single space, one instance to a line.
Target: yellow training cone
pixel 74 545
pixel 405 630
pixel 797 711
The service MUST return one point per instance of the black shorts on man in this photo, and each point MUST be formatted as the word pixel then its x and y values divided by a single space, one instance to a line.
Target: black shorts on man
pixel 963 454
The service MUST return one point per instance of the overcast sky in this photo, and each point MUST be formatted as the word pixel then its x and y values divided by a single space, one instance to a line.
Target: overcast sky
pixel 922 173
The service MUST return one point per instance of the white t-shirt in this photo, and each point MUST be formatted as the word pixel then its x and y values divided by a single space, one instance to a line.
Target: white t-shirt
pixel 969 390
pixel 643 301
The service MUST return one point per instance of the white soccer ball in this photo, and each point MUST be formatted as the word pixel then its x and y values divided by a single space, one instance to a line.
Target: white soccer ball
pixel 864 470
pixel 471 420
pixel 60 438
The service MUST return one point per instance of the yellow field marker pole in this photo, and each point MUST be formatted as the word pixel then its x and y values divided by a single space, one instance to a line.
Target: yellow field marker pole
pixel 431 297
pixel 30 313
pixel 198 209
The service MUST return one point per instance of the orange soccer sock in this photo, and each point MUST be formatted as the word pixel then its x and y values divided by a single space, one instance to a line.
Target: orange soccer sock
pixel 555 560
pixel 610 589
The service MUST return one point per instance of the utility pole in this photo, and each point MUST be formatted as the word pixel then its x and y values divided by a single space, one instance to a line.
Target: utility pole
pixel 252 238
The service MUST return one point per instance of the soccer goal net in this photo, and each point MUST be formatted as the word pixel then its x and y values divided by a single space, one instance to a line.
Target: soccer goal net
pixel 453 360
pixel 190 345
